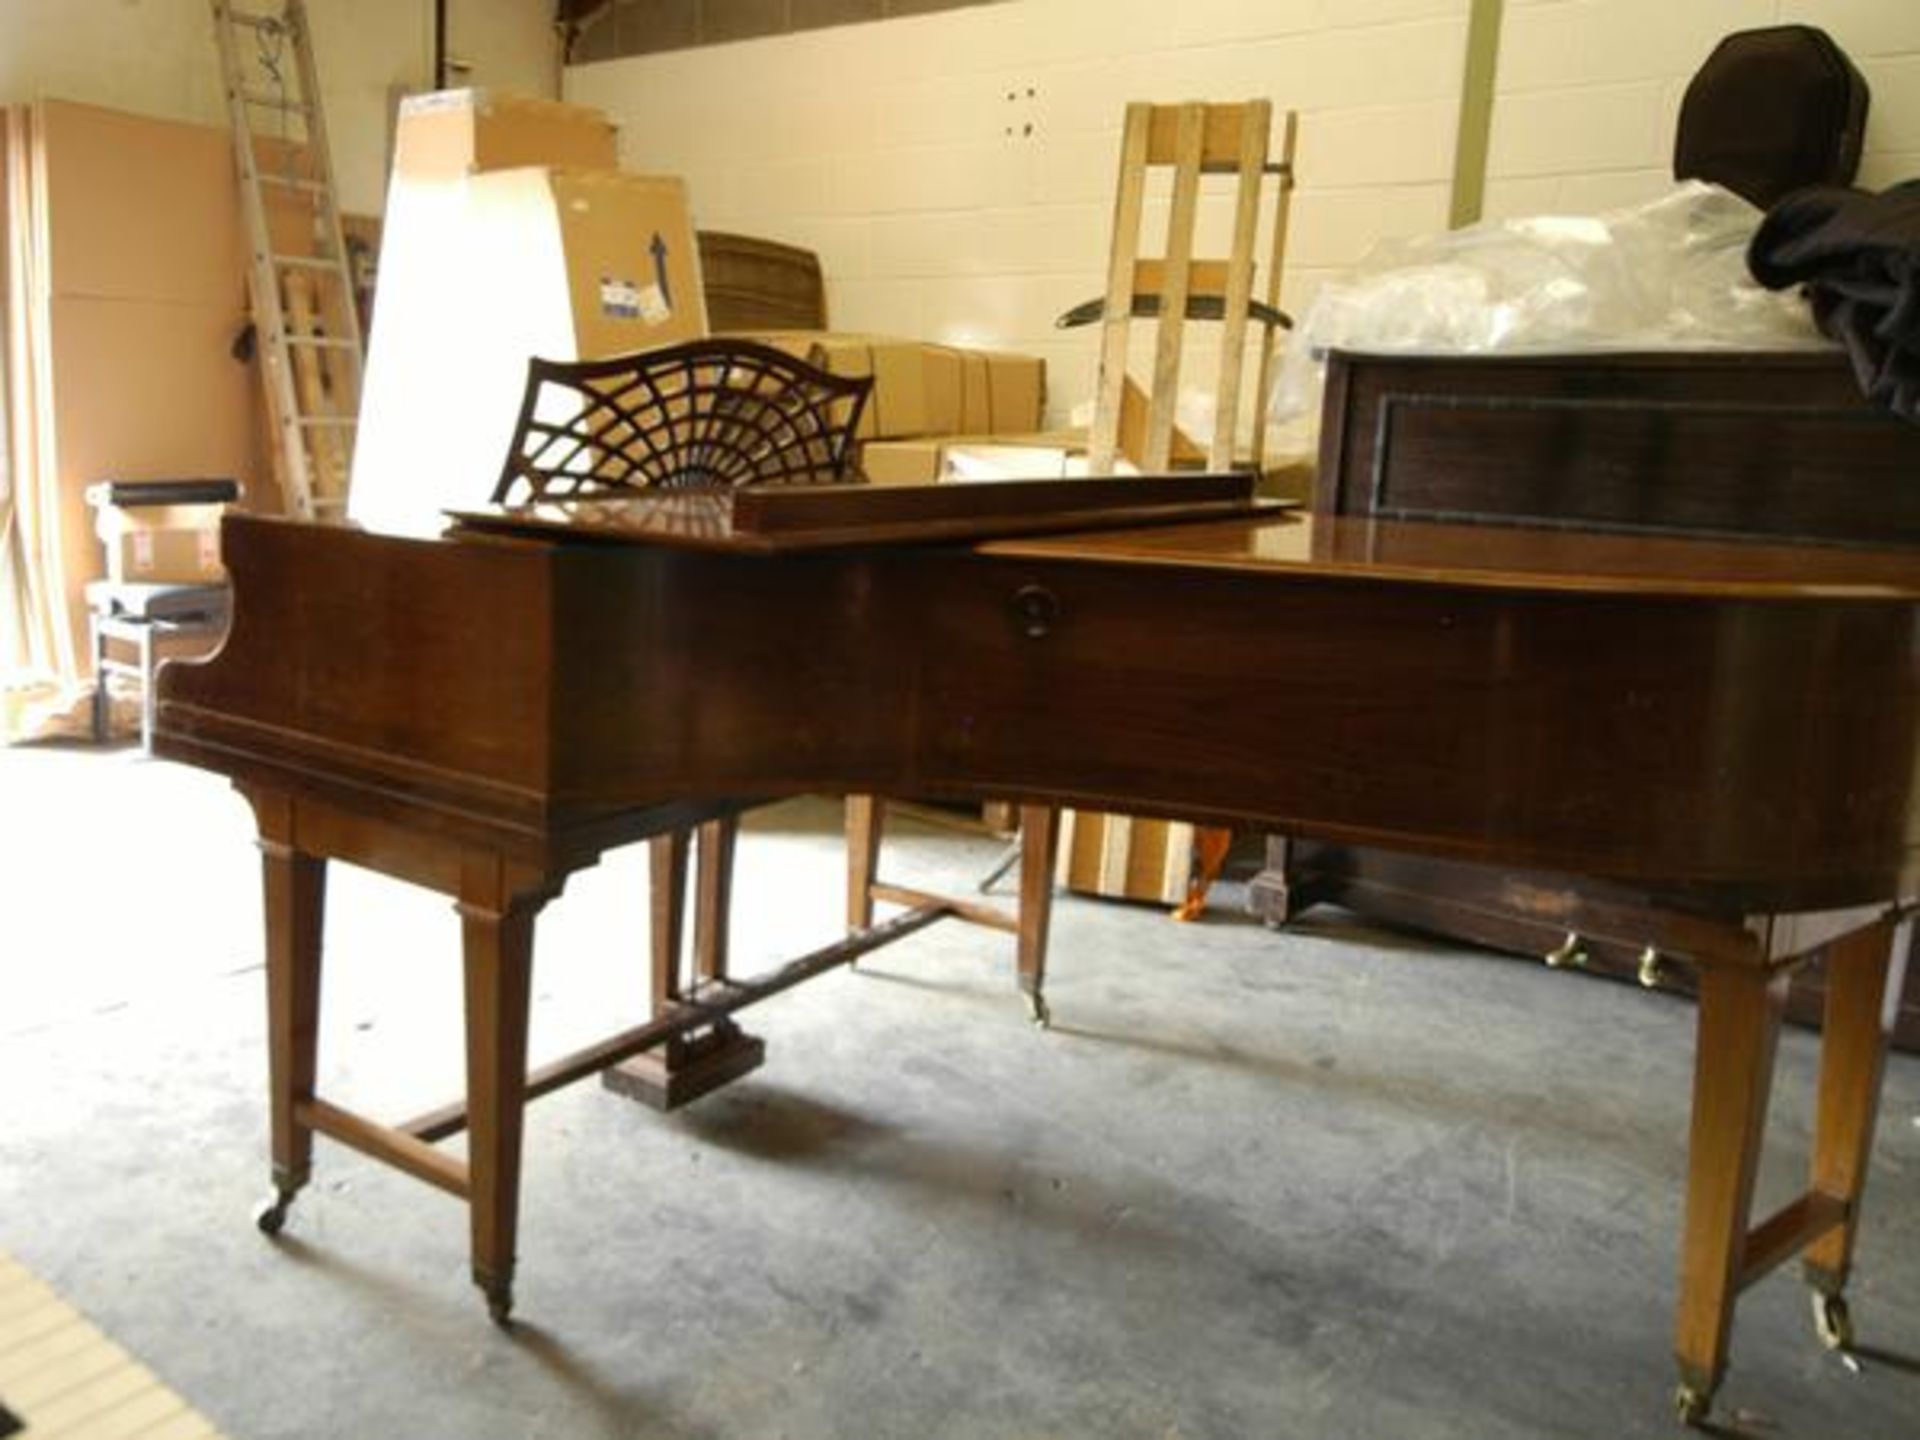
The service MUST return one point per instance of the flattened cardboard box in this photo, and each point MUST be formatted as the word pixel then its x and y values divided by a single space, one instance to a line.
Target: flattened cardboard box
pixel 451 134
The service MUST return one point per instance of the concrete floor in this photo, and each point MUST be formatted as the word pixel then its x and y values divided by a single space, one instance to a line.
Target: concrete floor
pixel 1336 1183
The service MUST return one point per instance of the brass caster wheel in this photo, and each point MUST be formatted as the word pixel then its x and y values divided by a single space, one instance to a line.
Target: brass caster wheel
pixel 1042 1016
pixel 1690 1406
pixel 270 1215
pixel 1833 1321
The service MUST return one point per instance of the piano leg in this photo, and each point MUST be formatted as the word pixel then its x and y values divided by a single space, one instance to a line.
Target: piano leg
pixel 497 943
pixel 865 822
pixel 1863 970
pixel 1039 845
pixel 295 896
pixel 1736 1036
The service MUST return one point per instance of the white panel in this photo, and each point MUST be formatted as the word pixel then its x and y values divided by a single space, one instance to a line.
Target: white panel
pixel 1615 127
pixel 1384 146
pixel 1612 190
pixel 1337 227
pixel 1863 27
pixel 1893 118
pixel 1879 169
pixel 1603 42
pixel 1380 12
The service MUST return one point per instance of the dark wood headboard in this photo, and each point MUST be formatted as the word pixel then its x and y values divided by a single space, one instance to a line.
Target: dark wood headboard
pixel 1700 442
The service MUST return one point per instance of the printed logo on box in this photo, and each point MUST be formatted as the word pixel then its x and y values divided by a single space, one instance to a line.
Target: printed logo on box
pixel 619 299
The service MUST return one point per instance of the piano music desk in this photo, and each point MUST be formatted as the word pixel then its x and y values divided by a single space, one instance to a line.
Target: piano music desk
pixel 1729 727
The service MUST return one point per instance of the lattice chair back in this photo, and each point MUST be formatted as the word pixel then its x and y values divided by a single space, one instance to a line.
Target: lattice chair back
pixel 706 414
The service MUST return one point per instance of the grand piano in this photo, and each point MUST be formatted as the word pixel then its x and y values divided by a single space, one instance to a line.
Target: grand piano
pixel 1731 727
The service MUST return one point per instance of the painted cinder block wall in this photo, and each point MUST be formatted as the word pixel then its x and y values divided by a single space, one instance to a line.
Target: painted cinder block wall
pixel 1588 91
pixel 947 201
pixel 158 58
pixel 955 171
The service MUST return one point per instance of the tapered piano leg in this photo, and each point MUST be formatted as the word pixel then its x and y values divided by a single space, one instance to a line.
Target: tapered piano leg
pixel 497 939
pixel 295 902
pixel 865 818
pixel 1737 1034
pixel 686 1067
pixel 1039 845
pixel 1863 970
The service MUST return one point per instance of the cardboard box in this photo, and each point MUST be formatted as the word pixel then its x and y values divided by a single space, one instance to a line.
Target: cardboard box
pixel 451 134
pixel 477 275
pixel 161 544
pixel 924 389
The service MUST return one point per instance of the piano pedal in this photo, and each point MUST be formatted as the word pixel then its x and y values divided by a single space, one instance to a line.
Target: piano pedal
pixel 664 1079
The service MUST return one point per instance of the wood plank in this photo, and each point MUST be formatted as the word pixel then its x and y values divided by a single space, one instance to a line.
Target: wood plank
pixel 1163 395
pixel 1788 1231
pixel 1129 200
pixel 396 1147
pixel 90 1359
pixel 139 1411
pixel 1276 265
pixel 1220 141
pixel 1257 123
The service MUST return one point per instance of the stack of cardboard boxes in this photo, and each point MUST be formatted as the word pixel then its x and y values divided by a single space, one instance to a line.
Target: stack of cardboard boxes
pixel 926 397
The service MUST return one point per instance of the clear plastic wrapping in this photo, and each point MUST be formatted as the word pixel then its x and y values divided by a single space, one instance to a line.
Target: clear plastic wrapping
pixel 1670 274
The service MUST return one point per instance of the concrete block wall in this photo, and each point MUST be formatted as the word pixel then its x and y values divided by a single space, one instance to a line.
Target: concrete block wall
pixel 1588 91
pixel 158 58
pixel 956 171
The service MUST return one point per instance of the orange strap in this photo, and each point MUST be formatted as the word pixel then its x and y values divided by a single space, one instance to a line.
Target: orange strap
pixel 1210 845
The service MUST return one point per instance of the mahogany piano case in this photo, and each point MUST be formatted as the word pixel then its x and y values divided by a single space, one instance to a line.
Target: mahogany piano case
pixel 1707 442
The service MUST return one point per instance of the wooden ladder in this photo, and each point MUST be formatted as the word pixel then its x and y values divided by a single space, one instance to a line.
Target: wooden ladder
pixel 301 282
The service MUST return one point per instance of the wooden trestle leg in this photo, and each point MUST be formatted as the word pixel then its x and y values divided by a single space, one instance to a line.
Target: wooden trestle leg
pixel 1737 1034
pixel 1740 1009
pixel 497 943
pixel 1039 846
pixel 863 859
pixel 686 1067
pixel 294 891
pixel 1863 971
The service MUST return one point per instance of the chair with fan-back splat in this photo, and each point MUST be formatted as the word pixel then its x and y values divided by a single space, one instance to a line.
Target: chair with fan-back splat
pixel 705 415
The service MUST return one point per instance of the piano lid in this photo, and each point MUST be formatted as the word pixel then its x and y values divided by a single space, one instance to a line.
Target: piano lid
pixel 1498 557
pixel 779 518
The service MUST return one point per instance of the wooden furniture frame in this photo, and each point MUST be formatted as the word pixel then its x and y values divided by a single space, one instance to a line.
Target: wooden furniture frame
pixel 1461 690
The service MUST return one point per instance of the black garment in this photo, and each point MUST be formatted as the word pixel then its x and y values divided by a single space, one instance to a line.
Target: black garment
pixel 1858 255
